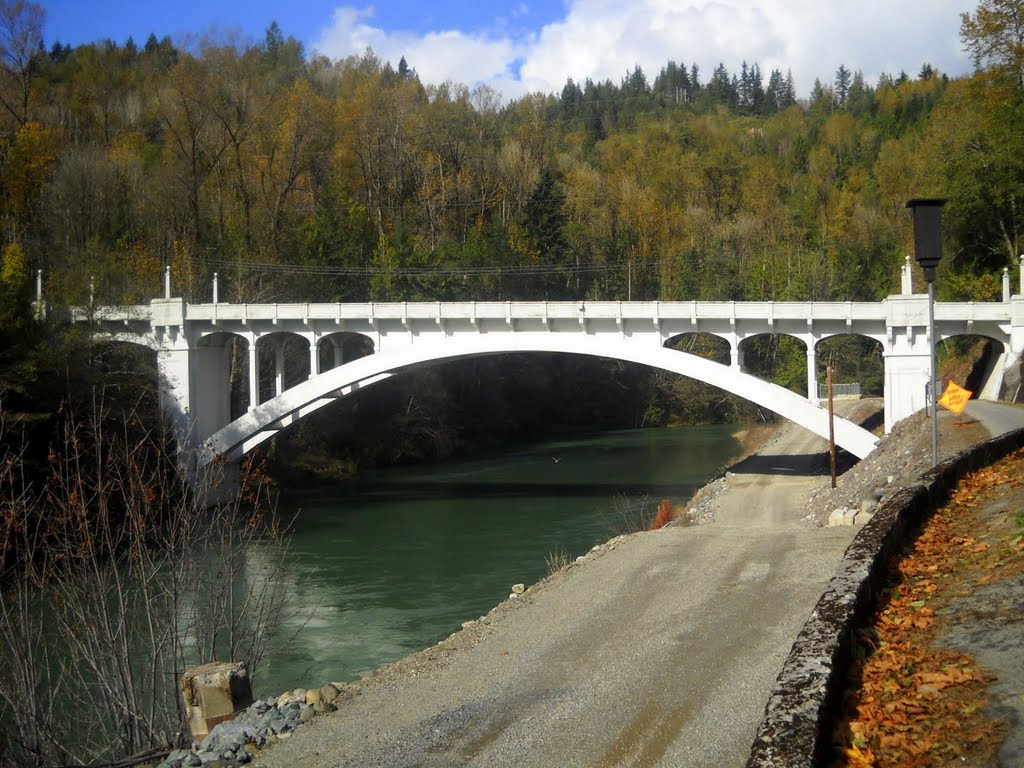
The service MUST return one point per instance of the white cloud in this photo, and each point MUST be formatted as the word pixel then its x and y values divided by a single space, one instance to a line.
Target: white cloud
pixel 606 38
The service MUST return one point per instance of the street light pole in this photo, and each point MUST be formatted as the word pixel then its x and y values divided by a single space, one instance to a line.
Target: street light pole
pixel 934 405
pixel 928 251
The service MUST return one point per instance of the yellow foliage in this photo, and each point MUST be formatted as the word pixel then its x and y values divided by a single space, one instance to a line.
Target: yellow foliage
pixel 14 272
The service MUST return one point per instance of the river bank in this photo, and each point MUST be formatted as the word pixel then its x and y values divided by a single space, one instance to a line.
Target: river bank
pixel 611 661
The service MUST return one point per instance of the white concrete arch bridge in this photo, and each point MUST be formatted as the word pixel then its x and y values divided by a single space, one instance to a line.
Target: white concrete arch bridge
pixel 193 350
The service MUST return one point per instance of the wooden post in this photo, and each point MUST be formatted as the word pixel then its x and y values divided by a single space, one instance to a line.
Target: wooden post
pixel 831 427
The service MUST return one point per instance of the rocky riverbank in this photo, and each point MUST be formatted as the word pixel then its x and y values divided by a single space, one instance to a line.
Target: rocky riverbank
pixel 264 722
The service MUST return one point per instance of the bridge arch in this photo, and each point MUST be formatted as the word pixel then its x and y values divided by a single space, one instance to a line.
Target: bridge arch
pixel 855 359
pixel 981 361
pixel 283 360
pixel 262 422
pixel 335 349
pixel 223 386
pixel 760 355
pixel 710 346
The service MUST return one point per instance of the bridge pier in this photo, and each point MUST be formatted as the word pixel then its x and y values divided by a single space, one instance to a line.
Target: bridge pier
pixel 812 373
pixel 254 372
pixel 314 356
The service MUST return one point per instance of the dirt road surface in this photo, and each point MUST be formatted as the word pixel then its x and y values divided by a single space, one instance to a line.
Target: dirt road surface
pixel 660 649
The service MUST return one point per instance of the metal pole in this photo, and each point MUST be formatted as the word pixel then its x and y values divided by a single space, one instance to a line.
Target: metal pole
pixel 831 427
pixel 934 406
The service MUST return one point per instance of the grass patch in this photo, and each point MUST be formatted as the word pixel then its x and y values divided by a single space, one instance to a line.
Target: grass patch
pixel 557 561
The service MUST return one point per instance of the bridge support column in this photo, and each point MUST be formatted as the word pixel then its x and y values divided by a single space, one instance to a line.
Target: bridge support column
pixel 314 357
pixel 278 368
pixel 812 374
pixel 211 382
pixel 338 346
pixel 254 374
pixel 737 357
pixel 907 369
pixel 173 364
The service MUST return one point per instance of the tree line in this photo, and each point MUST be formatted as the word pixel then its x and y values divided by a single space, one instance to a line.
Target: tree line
pixel 275 169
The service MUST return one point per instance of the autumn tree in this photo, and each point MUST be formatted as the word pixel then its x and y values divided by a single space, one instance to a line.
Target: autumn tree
pixel 21 36
pixel 994 37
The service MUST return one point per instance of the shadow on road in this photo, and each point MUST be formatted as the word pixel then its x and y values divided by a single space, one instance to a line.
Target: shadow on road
pixel 801 465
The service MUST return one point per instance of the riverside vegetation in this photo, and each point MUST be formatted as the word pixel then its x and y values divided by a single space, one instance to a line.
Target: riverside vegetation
pixel 299 178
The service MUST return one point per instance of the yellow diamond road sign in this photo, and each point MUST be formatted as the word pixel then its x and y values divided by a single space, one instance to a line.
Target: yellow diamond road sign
pixel 955 398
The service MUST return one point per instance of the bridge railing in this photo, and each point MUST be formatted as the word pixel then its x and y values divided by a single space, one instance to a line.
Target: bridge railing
pixel 540 309
pixel 851 390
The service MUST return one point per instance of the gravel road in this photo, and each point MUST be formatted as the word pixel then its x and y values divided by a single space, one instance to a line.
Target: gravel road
pixel 657 649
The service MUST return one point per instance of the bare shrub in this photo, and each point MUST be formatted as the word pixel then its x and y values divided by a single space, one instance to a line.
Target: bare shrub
pixel 122 579
pixel 631 514
pixel 557 560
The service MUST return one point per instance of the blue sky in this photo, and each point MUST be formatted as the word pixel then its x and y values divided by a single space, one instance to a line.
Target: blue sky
pixel 518 46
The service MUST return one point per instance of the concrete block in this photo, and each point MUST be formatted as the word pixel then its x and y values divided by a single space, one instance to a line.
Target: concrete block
pixel 213 693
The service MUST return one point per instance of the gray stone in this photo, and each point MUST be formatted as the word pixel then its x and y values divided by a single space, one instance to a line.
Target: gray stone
pixel 329 692
pixel 306 713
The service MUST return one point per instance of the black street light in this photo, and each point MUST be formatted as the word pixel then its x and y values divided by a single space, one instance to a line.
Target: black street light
pixel 928 251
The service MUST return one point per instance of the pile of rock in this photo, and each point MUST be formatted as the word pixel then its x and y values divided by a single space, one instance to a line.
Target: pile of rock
pixel 701 508
pixel 266 721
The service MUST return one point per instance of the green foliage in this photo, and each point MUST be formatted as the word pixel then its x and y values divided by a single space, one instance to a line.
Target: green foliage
pixel 304 179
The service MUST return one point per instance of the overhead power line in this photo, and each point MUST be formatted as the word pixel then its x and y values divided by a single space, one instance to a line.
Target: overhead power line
pixel 526 270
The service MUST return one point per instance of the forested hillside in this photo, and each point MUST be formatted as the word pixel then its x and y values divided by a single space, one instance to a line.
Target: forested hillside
pixel 299 178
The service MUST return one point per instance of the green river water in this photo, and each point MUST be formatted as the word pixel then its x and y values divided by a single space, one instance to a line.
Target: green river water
pixel 398 562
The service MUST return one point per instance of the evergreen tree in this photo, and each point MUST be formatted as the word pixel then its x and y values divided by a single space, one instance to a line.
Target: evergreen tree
pixel 721 88
pixel 790 97
pixel 545 225
pixel 775 94
pixel 842 85
pixel 860 98
pixel 757 98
